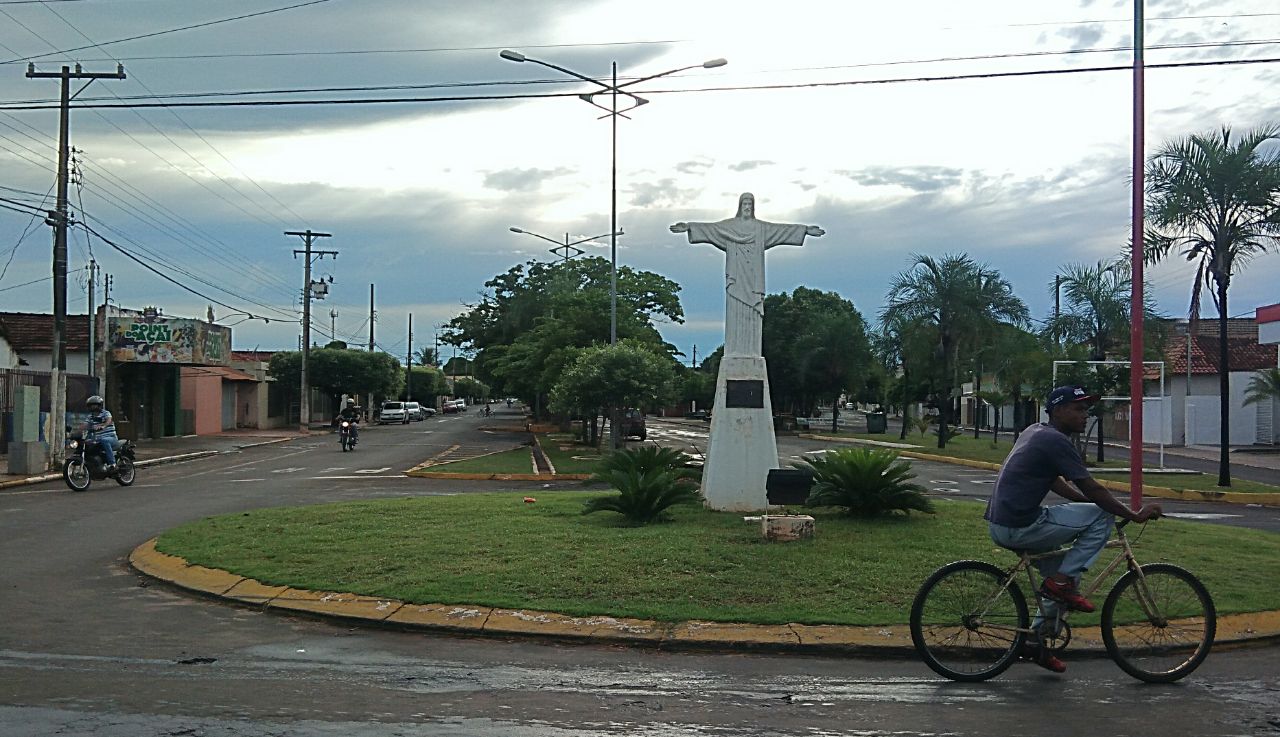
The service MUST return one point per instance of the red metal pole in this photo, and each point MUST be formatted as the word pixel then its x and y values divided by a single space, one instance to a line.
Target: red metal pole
pixel 1135 307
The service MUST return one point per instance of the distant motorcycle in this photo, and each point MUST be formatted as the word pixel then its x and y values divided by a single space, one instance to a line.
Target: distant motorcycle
pixel 86 461
pixel 347 435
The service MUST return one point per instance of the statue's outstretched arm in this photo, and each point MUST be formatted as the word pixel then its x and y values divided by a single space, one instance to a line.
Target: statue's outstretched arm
pixel 680 228
pixel 814 231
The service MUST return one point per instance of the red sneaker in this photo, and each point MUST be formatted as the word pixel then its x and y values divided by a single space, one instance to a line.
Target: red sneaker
pixel 1033 652
pixel 1066 594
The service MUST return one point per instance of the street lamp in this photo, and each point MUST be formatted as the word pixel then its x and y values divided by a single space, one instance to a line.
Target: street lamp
pixel 570 249
pixel 612 89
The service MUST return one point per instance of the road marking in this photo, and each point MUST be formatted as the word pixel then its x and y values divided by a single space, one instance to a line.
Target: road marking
pixel 982 481
pixel 292 469
pixel 334 468
pixel 248 463
pixel 375 470
pixel 241 481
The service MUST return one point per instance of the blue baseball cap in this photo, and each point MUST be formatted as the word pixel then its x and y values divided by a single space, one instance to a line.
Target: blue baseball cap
pixel 1068 394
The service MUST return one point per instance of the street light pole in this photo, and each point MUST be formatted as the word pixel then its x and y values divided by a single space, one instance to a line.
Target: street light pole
pixel 570 248
pixel 613 89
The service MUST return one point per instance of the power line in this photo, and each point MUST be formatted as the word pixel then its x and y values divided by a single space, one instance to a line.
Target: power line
pixel 723 88
pixel 168 278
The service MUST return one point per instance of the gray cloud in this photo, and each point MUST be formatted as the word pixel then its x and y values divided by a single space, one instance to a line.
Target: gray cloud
pixel 662 193
pixel 521 180
pixel 915 178
pixel 1083 36
pixel 749 165
pixel 693 167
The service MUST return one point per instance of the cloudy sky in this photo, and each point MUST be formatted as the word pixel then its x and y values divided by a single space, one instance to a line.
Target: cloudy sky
pixel 845 115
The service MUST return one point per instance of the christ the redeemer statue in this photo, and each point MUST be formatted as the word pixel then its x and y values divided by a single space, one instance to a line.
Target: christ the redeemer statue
pixel 744 239
pixel 742 448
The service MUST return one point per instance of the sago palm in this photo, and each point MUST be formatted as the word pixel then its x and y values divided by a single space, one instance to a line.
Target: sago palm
pixel 1215 199
pixel 643 496
pixel 866 482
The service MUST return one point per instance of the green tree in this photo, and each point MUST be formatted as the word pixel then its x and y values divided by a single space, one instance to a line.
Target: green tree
pixel 1264 386
pixel 427 384
pixel 1216 200
pixel 816 347
pixel 473 389
pixel 340 371
pixel 627 374
pixel 536 317
pixel 426 356
pixel 960 299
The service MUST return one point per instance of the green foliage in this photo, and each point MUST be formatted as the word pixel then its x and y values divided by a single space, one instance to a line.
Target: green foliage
pixel 922 424
pixel 643 496
pixel 427 383
pixel 962 300
pixel 627 374
pixel 1264 386
pixel 644 459
pixel 340 371
pixel 529 329
pixel 470 389
pixel 865 481
pixel 816 346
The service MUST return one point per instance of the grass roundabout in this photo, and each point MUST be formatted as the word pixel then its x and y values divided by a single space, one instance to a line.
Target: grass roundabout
pixel 499 550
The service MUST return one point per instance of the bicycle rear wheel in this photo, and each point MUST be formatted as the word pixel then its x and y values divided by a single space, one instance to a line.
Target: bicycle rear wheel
pixel 964 625
pixel 1158 628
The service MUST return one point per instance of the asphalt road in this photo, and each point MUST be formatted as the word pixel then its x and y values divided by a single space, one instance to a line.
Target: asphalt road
pixel 88 647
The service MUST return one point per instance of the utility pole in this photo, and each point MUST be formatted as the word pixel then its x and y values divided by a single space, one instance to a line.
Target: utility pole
pixel 408 366
pixel 93 275
pixel 694 363
pixel 106 335
pixel 371 318
pixel 308 236
pixel 58 219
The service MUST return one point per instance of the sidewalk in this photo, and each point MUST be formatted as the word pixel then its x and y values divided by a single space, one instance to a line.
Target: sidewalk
pixel 168 450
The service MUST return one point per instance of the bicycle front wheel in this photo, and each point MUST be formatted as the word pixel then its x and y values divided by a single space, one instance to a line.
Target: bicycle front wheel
pixel 965 625
pixel 1158 626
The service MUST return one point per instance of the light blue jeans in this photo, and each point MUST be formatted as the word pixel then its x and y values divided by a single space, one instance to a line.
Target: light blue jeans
pixel 1084 524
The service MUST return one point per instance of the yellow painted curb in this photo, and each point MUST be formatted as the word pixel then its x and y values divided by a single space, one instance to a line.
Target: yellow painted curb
pixel 441 616
pixel 705 633
pixel 461 618
pixel 336 604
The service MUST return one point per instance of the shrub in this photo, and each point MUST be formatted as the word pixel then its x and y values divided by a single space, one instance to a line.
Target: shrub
pixel 866 482
pixel 922 424
pixel 643 496
pixel 650 479
pixel 646 458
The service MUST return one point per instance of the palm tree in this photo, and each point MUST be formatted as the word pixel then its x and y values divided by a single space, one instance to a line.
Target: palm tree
pixel 1263 387
pixel 1097 313
pixel 1216 200
pixel 960 298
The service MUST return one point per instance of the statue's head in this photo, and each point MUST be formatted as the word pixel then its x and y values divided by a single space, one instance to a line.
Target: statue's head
pixel 747 205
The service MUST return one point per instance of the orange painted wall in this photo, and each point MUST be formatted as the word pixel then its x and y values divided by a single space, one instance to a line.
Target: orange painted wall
pixel 202 393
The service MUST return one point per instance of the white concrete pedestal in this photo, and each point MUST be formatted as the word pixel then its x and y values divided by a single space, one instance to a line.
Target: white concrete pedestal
pixel 742 448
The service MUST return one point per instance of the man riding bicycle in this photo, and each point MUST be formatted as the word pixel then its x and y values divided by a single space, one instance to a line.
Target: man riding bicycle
pixel 1043 460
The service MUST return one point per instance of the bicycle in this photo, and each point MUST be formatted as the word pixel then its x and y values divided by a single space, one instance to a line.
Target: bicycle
pixel 970 619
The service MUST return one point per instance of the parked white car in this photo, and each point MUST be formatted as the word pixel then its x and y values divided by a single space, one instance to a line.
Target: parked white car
pixel 413 412
pixel 392 412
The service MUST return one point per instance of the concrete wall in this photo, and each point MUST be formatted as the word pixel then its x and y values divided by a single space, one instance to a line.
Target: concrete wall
pixel 1201 422
pixel 202 396
pixel 8 359
pixel 77 361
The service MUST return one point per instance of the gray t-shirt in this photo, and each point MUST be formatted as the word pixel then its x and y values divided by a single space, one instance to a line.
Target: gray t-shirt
pixel 1042 454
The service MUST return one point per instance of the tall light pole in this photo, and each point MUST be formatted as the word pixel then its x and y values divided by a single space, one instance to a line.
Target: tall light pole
pixel 570 249
pixel 613 89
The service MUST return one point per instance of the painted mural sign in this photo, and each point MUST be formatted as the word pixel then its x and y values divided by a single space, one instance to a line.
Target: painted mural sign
pixel 142 338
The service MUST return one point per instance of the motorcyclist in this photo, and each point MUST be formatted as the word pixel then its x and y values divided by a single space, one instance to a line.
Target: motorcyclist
pixel 103 428
pixel 351 413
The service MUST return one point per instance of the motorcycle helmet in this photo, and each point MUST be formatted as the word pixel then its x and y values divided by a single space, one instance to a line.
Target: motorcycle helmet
pixel 94 403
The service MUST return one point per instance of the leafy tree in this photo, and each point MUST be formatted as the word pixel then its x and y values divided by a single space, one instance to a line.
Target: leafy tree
pixel 426 385
pixel 1216 200
pixel 908 347
pixel 1263 386
pixel 865 481
pixel 960 299
pixel 816 347
pixel 427 356
pixel 696 387
pixel 469 388
pixel 340 371
pixel 627 374
pixel 535 319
